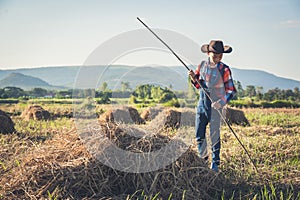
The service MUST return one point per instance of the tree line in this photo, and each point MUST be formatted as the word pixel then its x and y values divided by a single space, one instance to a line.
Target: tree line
pixel 148 91
pixel 141 94
pixel 15 92
pixel 256 92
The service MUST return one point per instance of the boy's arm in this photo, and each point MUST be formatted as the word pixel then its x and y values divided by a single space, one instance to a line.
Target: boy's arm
pixel 195 76
pixel 230 89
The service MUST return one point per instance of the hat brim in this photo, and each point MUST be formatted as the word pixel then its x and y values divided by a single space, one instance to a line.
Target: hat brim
pixel 206 48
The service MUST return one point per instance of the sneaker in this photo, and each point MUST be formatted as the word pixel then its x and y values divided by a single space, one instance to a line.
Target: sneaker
pixel 214 167
pixel 202 150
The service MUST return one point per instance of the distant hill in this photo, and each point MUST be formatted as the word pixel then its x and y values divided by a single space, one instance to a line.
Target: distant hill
pixel 24 81
pixel 257 78
pixel 94 76
pixel 62 76
pixel 264 79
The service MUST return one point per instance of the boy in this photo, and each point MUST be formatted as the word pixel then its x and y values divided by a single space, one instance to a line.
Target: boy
pixel 214 80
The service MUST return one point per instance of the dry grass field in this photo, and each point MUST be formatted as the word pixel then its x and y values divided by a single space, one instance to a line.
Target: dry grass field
pixel 46 159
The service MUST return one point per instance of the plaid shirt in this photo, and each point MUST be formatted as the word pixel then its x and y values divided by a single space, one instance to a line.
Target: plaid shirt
pixel 217 80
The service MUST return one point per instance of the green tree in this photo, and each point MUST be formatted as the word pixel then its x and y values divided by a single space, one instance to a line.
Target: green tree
pixel 13 92
pixel 167 96
pixel 143 91
pixel 104 86
pixel 132 99
pixel 156 92
pixel 104 97
pixel 1 92
pixel 273 94
pixel 259 92
pixel 147 91
pixel 125 86
pixel 289 94
pixel 160 95
pixel 250 91
pixel 239 88
pixel 66 93
pixel 296 94
pixel 38 92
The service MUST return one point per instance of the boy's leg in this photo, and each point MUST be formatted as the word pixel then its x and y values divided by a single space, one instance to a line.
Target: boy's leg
pixel 215 139
pixel 201 123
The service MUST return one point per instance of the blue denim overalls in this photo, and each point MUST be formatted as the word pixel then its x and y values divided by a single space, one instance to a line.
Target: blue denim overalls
pixel 205 113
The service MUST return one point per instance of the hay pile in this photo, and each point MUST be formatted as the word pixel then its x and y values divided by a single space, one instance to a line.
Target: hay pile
pixel 64 168
pixel 174 118
pixel 127 115
pixel 68 113
pixel 151 112
pixel 6 124
pixel 35 112
pixel 170 118
pixel 235 116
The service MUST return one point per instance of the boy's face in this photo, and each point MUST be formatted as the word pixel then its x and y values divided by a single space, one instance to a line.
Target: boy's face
pixel 215 57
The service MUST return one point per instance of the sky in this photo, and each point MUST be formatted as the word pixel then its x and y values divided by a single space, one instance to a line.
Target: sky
pixel 264 34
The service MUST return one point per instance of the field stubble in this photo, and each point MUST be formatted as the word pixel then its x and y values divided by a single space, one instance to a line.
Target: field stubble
pixel 272 140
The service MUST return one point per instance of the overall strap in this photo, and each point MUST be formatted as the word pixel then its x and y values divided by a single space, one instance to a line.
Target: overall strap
pixel 203 67
pixel 221 68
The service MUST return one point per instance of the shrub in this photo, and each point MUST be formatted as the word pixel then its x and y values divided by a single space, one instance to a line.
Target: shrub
pixel 9 101
pixel 283 104
pixel 172 103
pixel 166 97
pixel 132 100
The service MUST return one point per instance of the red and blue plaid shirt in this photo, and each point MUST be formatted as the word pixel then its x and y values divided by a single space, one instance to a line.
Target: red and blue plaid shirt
pixel 218 80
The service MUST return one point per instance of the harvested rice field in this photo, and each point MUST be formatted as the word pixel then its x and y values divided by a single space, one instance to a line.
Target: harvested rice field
pixel 62 157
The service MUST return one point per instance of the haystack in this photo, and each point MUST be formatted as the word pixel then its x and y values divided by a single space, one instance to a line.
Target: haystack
pixel 168 118
pixel 64 168
pixel 6 124
pixel 127 115
pixel 35 112
pixel 235 116
pixel 151 112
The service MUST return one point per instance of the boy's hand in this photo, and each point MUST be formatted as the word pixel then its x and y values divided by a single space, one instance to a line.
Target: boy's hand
pixel 216 105
pixel 192 75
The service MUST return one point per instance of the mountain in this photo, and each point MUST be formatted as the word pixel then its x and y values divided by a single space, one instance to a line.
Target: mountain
pixel 114 75
pixel 24 81
pixel 63 76
pixel 264 79
pixel 257 78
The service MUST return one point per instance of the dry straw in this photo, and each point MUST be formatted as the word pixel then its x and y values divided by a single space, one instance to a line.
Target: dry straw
pixel 35 112
pixel 6 124
pixel 62 167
